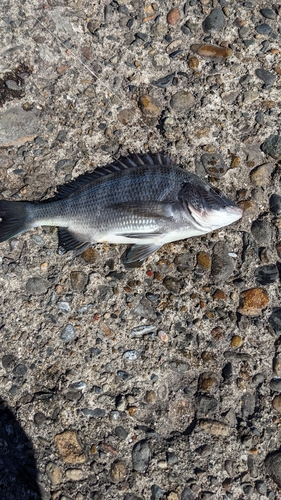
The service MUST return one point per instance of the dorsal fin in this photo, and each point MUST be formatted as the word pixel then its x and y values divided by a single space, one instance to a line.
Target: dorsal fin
pixel 123 163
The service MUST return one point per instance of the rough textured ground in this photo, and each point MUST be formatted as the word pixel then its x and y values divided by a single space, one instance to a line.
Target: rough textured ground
pixel 162 381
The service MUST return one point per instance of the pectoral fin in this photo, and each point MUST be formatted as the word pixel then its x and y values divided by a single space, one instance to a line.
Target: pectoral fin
pixel 71 241
pixel 138 253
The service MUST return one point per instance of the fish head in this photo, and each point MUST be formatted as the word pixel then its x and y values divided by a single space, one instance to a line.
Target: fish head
pixel 209 209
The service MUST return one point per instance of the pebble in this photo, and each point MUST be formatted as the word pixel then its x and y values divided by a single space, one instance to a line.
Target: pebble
pixel 276 403
pixel 214 21
pixel 263 29
pixel 204 260
pixel 173 16
pixel 96 413
pixel 130 355
pixel 78 280
pixel 275 320
pixel 141 330
pixel 90 255
pixel 261 176
pixel 264 75
pixel 37 286
pixel 266 275
pixel 272 146
pixel 261 231
pixel 215 427
pixel 68 334
pixel 118 471
pixel 149 106
pixel 273 466
pixel 236 341
pixel 253 301
pixel 207 382
pixel 8 361
pixel 141 456
pixel 64 306
pixel 182 101
pixel 69 447
pixel 161 60
pixel 211 51
pixel 165 81
pixel 172 284
pixel 54 473
pixel 121 433
pixel 74 474
pixel 18 127
pixel 214 164
pixel 248 403
pixel 268 13
pixel 187 494
pixel 222 263
pixel 125 116
pixel 275 204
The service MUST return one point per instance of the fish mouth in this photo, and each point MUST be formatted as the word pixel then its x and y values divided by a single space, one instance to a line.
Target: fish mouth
pixel 211 210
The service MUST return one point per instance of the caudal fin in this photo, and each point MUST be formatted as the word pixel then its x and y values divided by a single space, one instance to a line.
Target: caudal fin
pixel 13 218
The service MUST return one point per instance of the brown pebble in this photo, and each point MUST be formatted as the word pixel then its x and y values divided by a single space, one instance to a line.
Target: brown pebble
pixel 90 255
pixel 217 333
pixel 78 280
pixel 69 447
pixel 260 176
pixel 150 397
pixel 150 107
pixel 235 162
pixel 277 366
pixel 219 295
pixel 211 51
pixel 277 69
pixel 62 69
pixel 276 403
pixel 253 301
pixel 105 329
pixel 207 382
pixel 125 116
pixel 118 471
pixel 204 260
pixel 173 16
pixel 249 208
pixel 236 341
pixel 193 62
pixel 215 428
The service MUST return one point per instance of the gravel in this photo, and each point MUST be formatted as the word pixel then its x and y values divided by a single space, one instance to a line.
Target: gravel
pixel 161 381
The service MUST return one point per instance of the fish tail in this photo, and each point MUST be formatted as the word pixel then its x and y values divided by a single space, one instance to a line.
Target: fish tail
pixel 14 218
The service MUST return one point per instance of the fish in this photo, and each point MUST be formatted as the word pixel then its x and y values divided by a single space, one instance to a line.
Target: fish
pixel 145 200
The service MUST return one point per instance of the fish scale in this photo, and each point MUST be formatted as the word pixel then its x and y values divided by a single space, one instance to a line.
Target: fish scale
pixel 142 199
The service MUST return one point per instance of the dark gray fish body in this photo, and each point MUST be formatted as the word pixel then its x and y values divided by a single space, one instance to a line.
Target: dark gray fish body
pixel 142 199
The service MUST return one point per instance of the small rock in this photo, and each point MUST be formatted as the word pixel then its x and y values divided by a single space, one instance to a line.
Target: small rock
pixel 207 382
pixel 36 286
pixel 214 21
pixel 211 51
pixel 263 29
pixel 236 341
pixel 68 334
pixel 182 100
pixel 222 263
pixel 54 473
pixel 266 275
pixel 215 428
pixel 187 494
pixel 78 280
pixel 8 361
pixel 275 320
pixel 172 284
pixel 273 466
pixel 125 116
pixel 150 107
pixel 248 405
pixel 268 13
pixel 130 355
pixel 261 231
pixel 253 301
pixel 275 204
pixel 173 16
pixel 118 471
pixel 150 397
pixel 17 127
pixel 264 75
pixel 260 176
pixel 272 146
pixel 214 164
pixel 141 456
pixel 204 260
pixel 139 331
pixel 96 413
pixel 276 403
pixel 90 255
pixel 74 474
pixel 69 447
pixel 161 60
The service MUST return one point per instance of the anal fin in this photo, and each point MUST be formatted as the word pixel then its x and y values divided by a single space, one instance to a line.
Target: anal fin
pixel 138 253
pixel 71 241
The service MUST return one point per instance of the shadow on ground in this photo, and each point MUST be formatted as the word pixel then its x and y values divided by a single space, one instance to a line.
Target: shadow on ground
pixel 18 473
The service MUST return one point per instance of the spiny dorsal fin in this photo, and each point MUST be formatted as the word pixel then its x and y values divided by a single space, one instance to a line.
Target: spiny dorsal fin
pixel 123 163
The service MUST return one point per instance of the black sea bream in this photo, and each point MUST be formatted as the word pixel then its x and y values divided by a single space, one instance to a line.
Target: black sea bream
pixel 144 200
